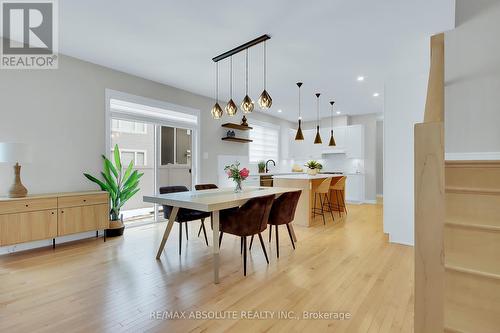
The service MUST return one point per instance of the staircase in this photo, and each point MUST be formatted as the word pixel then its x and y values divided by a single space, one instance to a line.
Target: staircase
pixel 472 246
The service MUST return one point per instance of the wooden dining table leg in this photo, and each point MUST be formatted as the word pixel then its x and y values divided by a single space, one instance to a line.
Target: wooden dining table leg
pixel 170 224
pixel 215 219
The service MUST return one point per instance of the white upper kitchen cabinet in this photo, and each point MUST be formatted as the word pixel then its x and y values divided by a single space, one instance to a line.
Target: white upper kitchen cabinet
pixel 355 141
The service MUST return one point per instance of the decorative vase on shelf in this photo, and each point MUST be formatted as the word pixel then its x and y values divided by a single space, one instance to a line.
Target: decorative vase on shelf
pixel 238 188
pixel 312 172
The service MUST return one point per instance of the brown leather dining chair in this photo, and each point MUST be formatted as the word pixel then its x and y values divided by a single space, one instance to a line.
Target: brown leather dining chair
pixel 184 215
pixel 247 220
pixel 202 187
pixel 282 213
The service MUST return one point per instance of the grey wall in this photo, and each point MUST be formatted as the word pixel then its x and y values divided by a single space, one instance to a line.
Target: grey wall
pixel 60 113
pixel 472 111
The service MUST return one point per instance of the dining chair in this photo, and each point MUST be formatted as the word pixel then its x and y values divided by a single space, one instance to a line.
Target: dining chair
pixel 184 215
pixel 202 187
pixel 247 220
pixel 282 213
pixel 338 189
pixel 322 190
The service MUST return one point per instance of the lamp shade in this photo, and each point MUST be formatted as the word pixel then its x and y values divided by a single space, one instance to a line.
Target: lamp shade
pixel 14 153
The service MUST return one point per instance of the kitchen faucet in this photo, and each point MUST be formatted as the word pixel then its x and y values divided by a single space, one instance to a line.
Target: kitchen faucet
pixel 267 169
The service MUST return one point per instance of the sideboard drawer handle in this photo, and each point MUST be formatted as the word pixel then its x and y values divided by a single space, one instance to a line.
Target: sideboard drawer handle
pixel 62 211
pixel 84 200
pixel 27 205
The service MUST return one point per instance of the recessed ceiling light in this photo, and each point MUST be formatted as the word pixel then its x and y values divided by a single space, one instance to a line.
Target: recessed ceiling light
pixel 338 112
pixel 376 94
pixel 361 78
pixel 279 111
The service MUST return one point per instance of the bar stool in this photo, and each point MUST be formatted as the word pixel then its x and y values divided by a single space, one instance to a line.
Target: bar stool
pixel 338 189
pixel 322 190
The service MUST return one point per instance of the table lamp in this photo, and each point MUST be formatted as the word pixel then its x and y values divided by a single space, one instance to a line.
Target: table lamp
pixel 15 153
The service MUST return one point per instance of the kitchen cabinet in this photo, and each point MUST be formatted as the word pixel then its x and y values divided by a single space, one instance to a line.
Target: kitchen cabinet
pixel 355 188
pixel 355 141
pixel 349 141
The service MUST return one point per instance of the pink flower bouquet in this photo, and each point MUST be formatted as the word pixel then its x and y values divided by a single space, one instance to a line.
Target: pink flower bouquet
pixel 233 172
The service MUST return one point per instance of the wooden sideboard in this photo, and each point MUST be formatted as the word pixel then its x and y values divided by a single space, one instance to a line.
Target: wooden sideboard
pixel 48 216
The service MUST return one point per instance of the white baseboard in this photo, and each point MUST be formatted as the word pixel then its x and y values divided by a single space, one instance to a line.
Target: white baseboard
pixel 46 242
pixel 478 156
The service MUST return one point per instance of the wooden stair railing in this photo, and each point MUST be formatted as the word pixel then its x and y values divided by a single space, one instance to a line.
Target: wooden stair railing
pixel 430 200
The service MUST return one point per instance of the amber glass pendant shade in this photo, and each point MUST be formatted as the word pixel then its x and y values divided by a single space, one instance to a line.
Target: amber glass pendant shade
pixel 247 104
pixel 231 108
pixel 317 139
pixel 332 140
pixel 265 100
pixel 217 111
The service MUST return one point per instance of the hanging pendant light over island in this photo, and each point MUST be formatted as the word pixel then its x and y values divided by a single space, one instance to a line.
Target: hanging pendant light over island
pixel 299 135
pixel 317 139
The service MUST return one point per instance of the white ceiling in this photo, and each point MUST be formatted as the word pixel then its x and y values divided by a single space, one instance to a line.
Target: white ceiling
pixel 326 44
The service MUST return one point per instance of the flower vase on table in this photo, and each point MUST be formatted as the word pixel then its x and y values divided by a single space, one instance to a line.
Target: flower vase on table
pixel 238 176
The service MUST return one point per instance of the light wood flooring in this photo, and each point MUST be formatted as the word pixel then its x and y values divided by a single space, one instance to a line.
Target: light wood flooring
pixel 92 286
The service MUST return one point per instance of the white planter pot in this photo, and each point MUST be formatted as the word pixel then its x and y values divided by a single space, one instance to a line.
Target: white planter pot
pixel 312 172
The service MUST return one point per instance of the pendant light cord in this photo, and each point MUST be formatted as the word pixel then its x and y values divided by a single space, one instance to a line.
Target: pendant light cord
pixel 231 78
pixel 217 82
pixel 300 116
pixel 317 109
pixel 265 60
pixel 246 70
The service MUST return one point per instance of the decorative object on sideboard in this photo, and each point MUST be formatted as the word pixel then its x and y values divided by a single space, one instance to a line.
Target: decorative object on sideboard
pixel 121 185
pixel 313 167
pixel 299 135
pixel 317 139
pixel 14 154
pixel 216 109
pixel 262 166
pixel 238 176
pixel 247 105
pixel 265 100
pixel 231 107
pixel 244 121
pixel 332 139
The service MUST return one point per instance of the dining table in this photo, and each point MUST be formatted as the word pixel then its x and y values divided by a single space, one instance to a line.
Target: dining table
pixel 213 201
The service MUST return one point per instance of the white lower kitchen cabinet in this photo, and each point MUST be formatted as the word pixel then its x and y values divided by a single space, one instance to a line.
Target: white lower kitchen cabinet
pixel 355 188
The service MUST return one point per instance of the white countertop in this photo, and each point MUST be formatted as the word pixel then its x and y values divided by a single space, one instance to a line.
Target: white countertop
pixel 305 176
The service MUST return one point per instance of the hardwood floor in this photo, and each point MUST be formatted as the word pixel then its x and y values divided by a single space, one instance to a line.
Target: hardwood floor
pixel 91 286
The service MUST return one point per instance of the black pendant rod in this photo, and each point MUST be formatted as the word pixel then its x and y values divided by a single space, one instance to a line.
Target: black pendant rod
pixel 242 47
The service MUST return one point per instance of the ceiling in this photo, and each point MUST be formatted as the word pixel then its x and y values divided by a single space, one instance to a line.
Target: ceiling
pixel 326 44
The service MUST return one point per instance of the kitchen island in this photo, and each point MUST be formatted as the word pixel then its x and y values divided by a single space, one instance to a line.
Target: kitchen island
pixel 303 214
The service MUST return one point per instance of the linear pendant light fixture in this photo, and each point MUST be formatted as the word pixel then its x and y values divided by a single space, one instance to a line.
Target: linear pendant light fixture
pixel 247 103
pixel 317 139
pixel 332 139
pixel 231 107
pixel 216 109
pixel 299 135
pixel 265 100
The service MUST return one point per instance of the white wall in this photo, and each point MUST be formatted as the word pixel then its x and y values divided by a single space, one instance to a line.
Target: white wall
pixel 404 106
pixel 379 159
pixel 60 113
pixel 473 80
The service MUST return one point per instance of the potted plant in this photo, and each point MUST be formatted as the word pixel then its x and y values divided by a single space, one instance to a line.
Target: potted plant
pixel 233 172
pixel 121 185
pixel 313 167
pixel 262 166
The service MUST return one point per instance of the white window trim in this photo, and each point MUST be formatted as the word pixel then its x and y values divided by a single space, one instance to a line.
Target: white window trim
pixel 135 151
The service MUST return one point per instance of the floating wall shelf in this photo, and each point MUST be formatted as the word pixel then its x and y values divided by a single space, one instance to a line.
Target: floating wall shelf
pixel 237 126
pixel 240 140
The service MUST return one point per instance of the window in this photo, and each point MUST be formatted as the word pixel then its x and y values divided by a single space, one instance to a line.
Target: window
pixel 125 126
pixel 175 142
pixel 127 155
pixel 265 142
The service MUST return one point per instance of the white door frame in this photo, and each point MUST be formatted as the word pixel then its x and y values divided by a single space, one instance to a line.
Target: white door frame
pixel 195 128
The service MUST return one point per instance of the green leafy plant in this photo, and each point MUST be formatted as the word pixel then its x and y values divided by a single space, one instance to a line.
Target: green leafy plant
pixel 119 183
pixel 262 166
pixel 313 165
